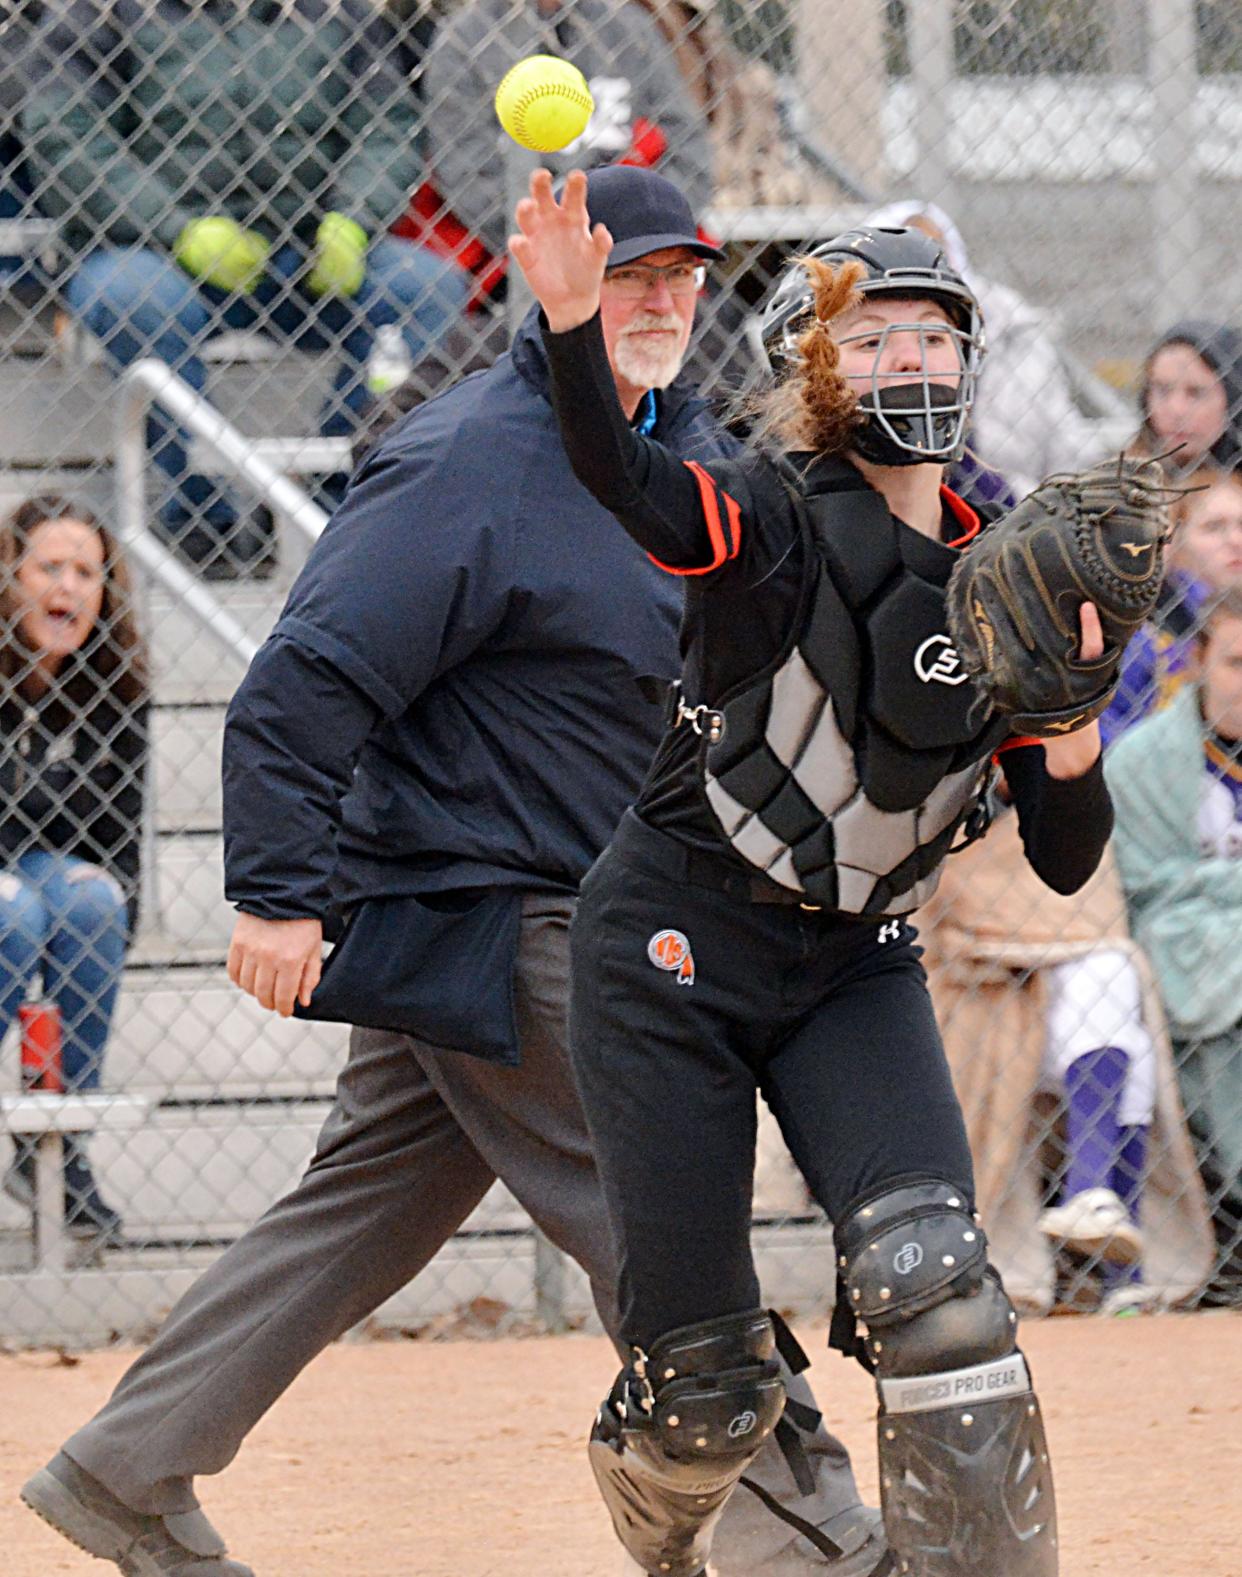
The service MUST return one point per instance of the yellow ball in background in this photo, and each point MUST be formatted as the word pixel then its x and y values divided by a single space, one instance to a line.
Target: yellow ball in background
pixel 544 103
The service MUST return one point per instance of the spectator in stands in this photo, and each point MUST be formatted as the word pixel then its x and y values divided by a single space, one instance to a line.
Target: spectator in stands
pixel 1176 781
pixel 1045 1004
pixel 738 92
pixel 647 113
pixel 1207 541
pixel 644 113
pixel 225 166
pixel 1204 559
pixel 1026 422
pixel 455 358
pixel 1190 397
pixel 16 28
pixel 73 745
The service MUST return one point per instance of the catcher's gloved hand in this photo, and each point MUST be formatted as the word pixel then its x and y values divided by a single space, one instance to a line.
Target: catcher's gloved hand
pixel 1014 598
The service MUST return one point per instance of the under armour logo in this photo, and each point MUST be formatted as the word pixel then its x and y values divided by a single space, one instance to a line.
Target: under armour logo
pixel 936 661
pixel 907 1258
pixel 742 1425
pixel 890 931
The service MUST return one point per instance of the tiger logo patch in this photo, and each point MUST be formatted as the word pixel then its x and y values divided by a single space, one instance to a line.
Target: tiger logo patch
pixel 670 950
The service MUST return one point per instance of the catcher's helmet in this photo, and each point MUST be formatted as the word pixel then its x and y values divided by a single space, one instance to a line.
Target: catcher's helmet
pixel 907 424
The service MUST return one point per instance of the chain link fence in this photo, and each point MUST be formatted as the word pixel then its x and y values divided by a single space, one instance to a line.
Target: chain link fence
pixel 228 232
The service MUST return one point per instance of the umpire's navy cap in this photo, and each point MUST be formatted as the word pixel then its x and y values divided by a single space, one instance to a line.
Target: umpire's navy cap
pixel 644 213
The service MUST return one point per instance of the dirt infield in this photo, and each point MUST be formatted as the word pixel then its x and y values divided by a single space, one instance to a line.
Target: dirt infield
pixel 464 1459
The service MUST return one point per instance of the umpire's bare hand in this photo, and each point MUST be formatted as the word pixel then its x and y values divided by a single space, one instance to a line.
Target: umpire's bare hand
pixel 277 962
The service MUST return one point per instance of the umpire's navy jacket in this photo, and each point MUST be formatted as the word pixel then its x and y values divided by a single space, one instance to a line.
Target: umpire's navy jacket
pixel 457 694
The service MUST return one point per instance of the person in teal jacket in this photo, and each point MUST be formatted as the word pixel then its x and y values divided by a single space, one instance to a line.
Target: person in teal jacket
pixel 225 164
pixel 1176 783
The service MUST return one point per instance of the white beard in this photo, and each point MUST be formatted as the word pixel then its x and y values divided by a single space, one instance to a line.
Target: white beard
pixel 651 366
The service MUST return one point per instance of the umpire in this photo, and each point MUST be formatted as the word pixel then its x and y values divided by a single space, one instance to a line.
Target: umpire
pixel 436 742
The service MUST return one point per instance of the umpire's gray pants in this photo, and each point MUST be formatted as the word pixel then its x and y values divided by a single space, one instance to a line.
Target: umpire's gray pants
pixel 416 1137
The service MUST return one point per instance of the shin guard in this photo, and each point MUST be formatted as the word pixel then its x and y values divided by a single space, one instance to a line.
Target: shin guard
pixel 964 1475
pixel 965 1481
pixel 678 1430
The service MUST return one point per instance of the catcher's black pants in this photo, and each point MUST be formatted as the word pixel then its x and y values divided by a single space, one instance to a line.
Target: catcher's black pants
pixel 688 995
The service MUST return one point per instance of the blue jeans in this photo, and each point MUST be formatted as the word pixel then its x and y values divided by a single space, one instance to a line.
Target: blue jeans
pixel 64 919
pixel 138 302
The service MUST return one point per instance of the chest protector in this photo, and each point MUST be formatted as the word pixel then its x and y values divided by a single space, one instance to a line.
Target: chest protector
pixel 845 768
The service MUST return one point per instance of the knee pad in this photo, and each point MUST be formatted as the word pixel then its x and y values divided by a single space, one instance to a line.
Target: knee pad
pixel 965 1481
pixel 679 1428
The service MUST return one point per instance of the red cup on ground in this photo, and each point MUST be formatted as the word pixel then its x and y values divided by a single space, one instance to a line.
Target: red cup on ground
pixel 41 1064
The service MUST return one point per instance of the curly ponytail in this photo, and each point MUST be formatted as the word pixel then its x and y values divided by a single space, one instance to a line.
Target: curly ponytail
pixel 812 407
pixel 826 412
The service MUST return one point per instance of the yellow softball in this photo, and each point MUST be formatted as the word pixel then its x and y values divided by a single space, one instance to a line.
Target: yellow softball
pixel 544 103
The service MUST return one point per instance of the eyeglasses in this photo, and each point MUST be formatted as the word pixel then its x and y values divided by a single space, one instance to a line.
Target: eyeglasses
pixel 632 284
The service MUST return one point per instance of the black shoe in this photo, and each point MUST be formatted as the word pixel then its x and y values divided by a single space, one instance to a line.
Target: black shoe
pixel 87 1217
pixel 249 551
pixel 19 1177
pixel 243 549
pixel 90 1516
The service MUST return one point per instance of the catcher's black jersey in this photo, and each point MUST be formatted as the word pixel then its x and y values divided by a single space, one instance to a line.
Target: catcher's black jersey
pixel 845 768
pixel 733 531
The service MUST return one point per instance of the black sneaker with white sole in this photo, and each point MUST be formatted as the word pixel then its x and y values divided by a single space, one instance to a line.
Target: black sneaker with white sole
pixel 19 1177
pixel 88 1217
pixel 90 1516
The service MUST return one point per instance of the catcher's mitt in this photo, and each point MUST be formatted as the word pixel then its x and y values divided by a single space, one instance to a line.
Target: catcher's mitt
pixel 1015 596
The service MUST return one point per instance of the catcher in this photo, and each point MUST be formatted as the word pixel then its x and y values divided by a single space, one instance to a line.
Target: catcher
pixel 746 930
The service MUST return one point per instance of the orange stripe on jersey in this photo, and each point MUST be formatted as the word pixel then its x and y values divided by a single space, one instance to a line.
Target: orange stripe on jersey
pixel 725 538
pixel 1015 743
pixel 963 514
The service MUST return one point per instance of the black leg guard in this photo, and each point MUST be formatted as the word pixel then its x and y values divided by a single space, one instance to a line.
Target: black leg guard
pixel 681 1426
pixel 965 1481
pixel 966 1489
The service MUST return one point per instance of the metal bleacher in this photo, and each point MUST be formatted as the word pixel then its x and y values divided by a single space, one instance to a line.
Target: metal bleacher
pixel 237 1095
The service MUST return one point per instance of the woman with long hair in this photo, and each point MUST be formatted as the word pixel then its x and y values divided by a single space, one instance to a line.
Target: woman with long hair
pixel 1203 560
pixel 73 753
pixel 746 931
pixel 1190 397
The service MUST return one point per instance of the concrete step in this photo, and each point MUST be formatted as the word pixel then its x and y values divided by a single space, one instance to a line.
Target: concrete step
pixel 186 741
pixel 51 414
pixel 186 903
pixel 207 1172
pixel 126 1293
pixel 189 1034
pixel 188 664
pixel 151 951
pixel 91 486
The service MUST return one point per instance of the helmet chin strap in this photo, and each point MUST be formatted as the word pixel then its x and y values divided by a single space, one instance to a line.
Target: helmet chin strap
pixel 913 423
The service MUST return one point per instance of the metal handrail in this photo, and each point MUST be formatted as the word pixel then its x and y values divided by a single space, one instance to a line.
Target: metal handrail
pixel 153 382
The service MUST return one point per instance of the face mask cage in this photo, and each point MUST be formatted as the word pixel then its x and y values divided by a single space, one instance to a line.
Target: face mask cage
pixel 920 414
